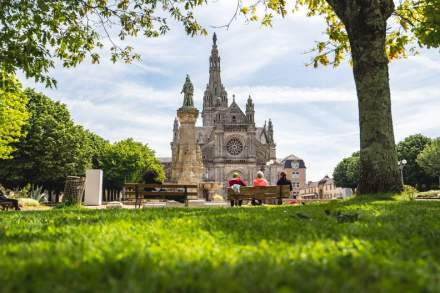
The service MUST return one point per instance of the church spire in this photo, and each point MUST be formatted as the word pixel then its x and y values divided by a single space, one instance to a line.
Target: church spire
pixel 250 112
pixel 175 129
pixel 270 131
pixel 214 68
pixel 215 90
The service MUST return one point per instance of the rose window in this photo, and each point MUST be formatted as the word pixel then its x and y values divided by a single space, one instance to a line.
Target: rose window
pixel 234 146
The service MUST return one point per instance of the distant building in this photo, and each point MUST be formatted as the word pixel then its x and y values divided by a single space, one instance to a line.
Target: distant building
pixel 295 170
pixel 324 189
pixel 166 164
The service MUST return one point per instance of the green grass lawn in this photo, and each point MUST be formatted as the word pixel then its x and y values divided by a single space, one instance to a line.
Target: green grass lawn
pixel 394 246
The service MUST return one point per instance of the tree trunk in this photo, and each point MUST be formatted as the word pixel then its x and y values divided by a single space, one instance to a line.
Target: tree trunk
pixel 365 22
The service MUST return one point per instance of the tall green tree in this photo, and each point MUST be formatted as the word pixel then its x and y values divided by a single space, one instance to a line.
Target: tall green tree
pixel 371 32
pixel 13 114
pixel 429 159
pixel 346 173
pixel 127 161
pixel 52 149
pixel 413 174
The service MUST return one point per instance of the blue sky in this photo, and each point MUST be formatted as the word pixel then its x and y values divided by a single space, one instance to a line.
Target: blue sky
pixel 314 111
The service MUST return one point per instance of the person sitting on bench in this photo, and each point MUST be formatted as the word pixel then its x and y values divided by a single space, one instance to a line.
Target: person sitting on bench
pixel 13 202
pixel 235 184
pixel 259 181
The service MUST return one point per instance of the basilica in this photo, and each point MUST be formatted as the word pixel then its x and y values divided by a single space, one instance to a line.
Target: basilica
pixel 228 140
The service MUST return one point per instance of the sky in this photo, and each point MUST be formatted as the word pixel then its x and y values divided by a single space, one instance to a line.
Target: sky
pixel 314 111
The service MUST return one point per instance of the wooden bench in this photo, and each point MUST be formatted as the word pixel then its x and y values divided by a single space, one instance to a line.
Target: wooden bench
pixel 260 193
pixel 138 192
pixel 6 205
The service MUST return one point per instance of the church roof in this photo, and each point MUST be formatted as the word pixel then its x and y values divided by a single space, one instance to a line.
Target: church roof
pixel 234 108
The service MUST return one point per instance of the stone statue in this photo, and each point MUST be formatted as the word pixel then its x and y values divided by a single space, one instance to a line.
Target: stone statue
pixel 188 92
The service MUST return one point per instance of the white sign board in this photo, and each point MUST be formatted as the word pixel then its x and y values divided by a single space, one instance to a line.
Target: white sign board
pixel 93 187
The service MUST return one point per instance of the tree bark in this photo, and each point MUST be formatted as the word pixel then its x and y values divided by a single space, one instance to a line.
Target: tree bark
pixel 365 22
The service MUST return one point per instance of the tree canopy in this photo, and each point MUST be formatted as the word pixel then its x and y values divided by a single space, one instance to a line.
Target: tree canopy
pixel 127 161
pixel 346 173
pixel 413 174
pixel 13 113
pixel 34 34
pixel 52 149
pixel 429 158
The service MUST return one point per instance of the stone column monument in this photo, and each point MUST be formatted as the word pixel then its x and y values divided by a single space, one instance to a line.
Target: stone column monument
pixel 187 164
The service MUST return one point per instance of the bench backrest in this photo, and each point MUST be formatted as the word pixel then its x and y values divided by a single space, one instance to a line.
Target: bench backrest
pixel 260 192
pixel 134 190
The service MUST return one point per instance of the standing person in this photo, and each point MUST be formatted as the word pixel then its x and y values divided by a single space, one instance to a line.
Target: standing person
pixel 284 181
pixel 259 181
pixel 14 202
pixel 235 183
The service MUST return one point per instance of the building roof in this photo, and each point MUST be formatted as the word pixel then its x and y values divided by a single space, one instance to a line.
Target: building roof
pixel 164 160
pixel 287 161
pixel 291 157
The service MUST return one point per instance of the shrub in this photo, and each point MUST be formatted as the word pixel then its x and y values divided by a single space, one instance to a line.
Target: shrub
pixel 409 193
pixel 28 202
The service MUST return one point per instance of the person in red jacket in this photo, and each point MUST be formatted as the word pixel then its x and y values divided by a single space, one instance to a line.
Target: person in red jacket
pixel 235 183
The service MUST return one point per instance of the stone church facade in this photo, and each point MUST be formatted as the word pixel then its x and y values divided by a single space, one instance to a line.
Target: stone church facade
pixel 229 139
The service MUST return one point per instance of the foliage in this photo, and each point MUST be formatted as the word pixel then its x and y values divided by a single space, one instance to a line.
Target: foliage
pixel 97 146
pixel 28 202
pixel 127 161
pixel 35 33
pixel 52 149
pixel 392 246
pixel 409 192
pixel 429 158
pixel 37 193
pixel 346 173
pixel 412 22
pixel 413 174
pixel 13 114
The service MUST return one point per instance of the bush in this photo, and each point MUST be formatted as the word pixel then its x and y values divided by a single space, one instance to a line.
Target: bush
pixel 409 193
pixel 27 202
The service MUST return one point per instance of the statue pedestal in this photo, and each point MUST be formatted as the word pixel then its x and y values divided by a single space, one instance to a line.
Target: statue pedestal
pixel 187 166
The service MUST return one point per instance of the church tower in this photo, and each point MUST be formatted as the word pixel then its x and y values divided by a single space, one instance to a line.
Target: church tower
pixel 215 97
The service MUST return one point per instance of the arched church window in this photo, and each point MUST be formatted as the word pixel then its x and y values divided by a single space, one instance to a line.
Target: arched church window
pixel 234 119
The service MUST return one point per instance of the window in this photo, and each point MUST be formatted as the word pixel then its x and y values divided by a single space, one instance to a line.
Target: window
pixel 234 146
pixel 295 174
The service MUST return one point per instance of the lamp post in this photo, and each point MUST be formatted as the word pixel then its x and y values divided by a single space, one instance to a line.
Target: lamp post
pixel 401 165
